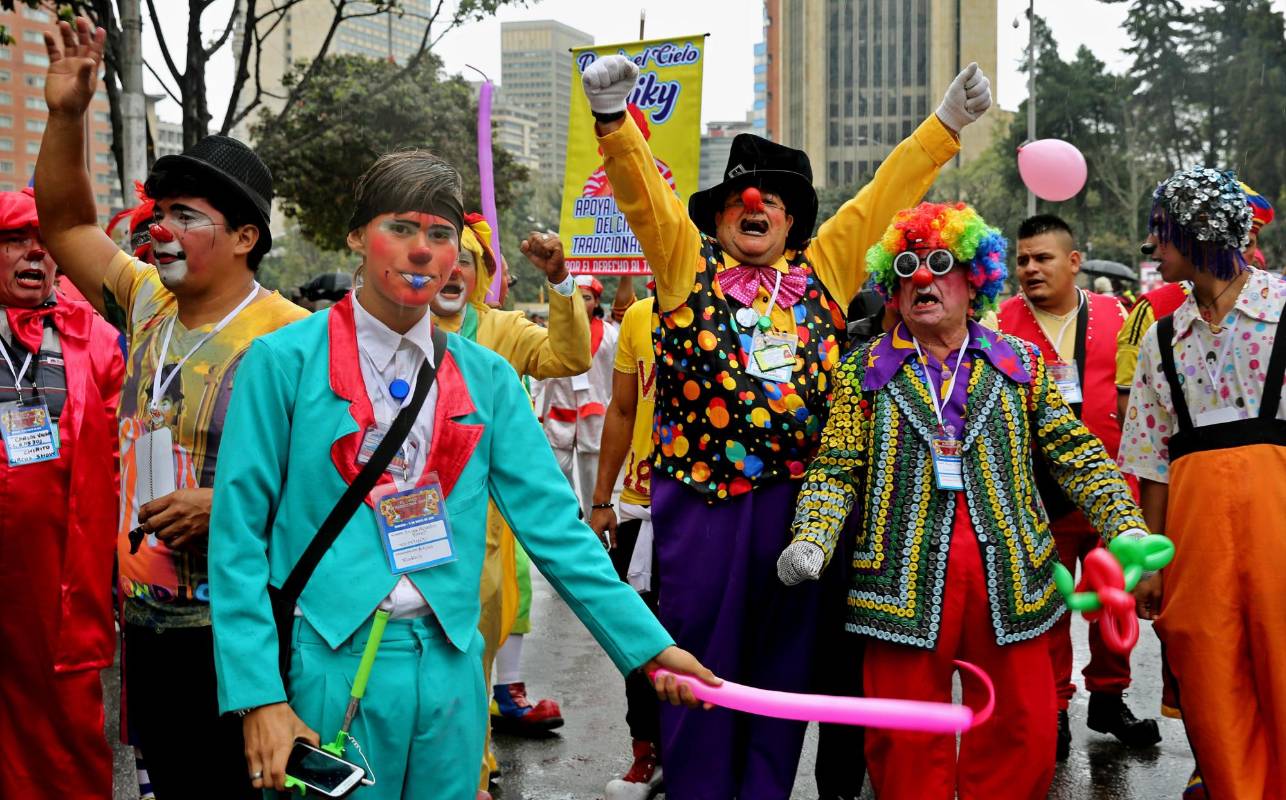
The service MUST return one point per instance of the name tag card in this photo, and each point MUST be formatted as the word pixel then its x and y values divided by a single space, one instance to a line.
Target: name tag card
pixel 414 527
pixel 948 464
pixel 155 462
pixel 1068 382
pixel 772 356
pixel 28 433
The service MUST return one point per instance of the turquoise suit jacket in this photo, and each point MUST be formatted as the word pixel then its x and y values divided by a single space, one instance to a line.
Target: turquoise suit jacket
pixel 294 426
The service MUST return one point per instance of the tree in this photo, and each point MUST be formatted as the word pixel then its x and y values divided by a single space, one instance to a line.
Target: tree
pixel 355 109
pixel 294 260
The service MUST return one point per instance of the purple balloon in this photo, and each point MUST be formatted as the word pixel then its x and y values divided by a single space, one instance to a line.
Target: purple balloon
pixel 486 178
pixel 1052 169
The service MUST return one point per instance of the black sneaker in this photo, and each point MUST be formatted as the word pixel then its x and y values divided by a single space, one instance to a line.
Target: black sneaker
pixel 1109 714
pixel 1064 737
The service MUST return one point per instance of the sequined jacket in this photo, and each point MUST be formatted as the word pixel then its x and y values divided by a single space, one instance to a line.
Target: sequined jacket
pixel 876 443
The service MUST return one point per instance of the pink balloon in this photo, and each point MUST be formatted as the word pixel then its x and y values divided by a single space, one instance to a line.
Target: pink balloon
pixel 871 712
pixel 1053 169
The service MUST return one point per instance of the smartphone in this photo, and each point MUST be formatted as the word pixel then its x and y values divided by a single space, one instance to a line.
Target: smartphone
pixel 324 772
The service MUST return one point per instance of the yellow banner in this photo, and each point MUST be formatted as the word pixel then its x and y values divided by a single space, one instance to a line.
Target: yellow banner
pixel 666 103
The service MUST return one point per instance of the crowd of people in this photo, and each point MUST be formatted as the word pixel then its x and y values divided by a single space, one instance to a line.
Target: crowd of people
pixel 812 459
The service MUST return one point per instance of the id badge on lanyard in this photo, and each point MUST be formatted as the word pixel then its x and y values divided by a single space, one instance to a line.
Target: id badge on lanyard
pixel 399 467
pixel 1068 381
pixel 413 526
pixel 948 462
pixel 28 432
pixel 772 356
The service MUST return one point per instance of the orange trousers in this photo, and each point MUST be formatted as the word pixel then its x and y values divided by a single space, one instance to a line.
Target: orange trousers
pixel 1223 616
pixel 1010 755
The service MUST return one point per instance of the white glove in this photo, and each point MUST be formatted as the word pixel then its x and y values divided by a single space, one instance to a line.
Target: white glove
pixel 607 82
pixel 968 96
pixel 800 561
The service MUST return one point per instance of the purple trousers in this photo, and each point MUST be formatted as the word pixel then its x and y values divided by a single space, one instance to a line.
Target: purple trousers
pixel 721 600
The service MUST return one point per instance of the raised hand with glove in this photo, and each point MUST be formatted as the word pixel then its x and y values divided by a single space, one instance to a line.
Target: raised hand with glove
pixel 607 82
pixel 967 98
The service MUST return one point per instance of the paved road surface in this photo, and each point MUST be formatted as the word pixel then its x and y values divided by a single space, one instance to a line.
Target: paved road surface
pixel 562 662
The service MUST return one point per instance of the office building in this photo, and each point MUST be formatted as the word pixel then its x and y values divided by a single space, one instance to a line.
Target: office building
pixel 849 79
pixel 536 76
pixel 759 116
pixel 300 33
pixel 715 146
pixel 515 129
pixel 23 112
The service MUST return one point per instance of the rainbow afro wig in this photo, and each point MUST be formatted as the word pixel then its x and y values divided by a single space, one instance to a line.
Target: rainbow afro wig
pixel 955 227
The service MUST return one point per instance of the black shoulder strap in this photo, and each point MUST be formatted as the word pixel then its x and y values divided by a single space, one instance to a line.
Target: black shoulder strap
pixel 1275 375
pixel 1165 344
pixel 366 479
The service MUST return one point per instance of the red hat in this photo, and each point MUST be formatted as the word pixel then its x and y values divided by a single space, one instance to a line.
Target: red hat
pixel 591 283
pixel 140 216
pixel 18 210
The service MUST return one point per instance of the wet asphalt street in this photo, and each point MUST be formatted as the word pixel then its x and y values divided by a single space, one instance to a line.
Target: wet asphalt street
pixel 561 661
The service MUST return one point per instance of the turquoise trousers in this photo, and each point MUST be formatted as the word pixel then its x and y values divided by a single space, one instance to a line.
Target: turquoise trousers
pixel 422 722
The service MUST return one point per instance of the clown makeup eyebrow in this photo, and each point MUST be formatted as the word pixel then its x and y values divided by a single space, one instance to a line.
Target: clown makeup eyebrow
pixel 409 222
pixel 187 217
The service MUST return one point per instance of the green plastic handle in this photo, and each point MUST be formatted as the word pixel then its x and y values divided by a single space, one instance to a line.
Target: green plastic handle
pixel 368 655
pixel 292 784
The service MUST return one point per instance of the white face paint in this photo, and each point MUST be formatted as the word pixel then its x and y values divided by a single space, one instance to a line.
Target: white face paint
pixel 171 262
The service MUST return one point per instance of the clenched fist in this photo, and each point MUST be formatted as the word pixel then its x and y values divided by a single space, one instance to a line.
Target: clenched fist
pixel 545 250
pixel 607 82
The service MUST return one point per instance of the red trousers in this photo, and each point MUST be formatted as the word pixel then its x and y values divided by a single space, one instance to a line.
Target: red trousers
pixel 1012 754
pixel 1107 671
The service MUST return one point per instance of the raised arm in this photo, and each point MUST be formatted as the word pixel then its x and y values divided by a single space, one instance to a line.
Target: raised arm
pixel 670 242
pixel 838 253
pixel 561 349
pixel 831 484
pixel 64 194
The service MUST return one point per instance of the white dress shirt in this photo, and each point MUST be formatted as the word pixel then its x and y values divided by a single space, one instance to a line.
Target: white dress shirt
pixel 386 355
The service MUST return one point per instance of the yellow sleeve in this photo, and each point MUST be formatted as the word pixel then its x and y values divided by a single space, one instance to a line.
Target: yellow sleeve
pixel 635 334
pixel 1136 324
pixel 559 351
pixel 838 252
pixel 670 240
pixel 127 284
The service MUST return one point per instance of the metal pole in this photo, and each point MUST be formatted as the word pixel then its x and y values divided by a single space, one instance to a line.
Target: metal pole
pixel 1031 90
pixel 133 103
pixel 642 22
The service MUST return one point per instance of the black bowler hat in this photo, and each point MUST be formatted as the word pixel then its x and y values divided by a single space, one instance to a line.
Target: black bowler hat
pixel 229 162
pixel 755 161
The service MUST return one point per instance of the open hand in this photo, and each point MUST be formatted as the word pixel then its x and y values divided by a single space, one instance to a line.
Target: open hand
pixel 181 519
pixel 75 55
pixel 680 662
pixel 967 98
pixel 545 250
pixel 270 732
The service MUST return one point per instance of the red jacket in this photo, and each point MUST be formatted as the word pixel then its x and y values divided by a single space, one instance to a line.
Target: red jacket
pixel 58 527
pixel 1098 386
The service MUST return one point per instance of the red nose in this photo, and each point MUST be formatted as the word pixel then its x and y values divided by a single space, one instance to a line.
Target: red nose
pixel 752 199
pixel 922 277
pixel 159 233
pixel 420 256
pixel 36 254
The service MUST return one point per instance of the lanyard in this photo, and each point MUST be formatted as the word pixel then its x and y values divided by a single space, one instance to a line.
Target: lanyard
pixel 1055 342
pixel 1214 372
pixel 939 405
pixel 159 386
pixel 17 373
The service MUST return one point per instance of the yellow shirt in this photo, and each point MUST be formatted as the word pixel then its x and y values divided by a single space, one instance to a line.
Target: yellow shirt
pixel 1060 330
pixel 635 356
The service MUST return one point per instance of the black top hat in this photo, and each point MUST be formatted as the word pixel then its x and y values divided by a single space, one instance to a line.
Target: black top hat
pixel 237 167
pixel 755 161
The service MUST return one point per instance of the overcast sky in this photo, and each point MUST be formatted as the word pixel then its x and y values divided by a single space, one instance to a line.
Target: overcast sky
pixel 734 27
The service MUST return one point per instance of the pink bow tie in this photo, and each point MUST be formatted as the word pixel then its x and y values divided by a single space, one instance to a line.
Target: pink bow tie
pixel 742 283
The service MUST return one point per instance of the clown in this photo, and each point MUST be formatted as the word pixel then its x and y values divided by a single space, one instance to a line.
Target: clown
pixel 345 372
pixel 749 323
pixel 1205 433
pixel 61 371
pixel 562 349
pixel 932 432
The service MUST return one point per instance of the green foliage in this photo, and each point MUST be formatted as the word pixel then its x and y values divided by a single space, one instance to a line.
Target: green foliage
pixel 355 109
pixel 294 260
